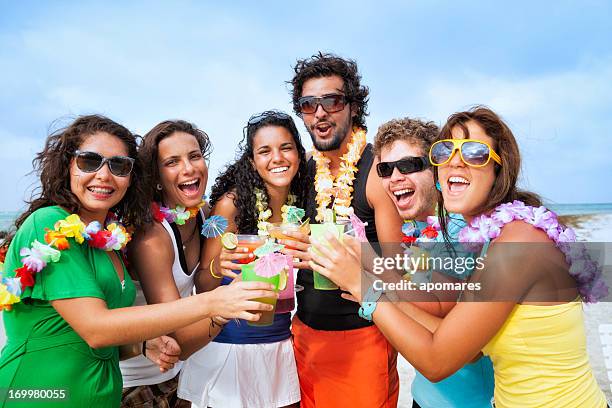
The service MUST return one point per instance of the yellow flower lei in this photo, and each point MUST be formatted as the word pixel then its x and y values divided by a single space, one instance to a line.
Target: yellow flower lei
pixel 265 212
pixel 342 187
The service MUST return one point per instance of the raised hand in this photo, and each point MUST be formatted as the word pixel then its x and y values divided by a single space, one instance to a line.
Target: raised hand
pixel 236 300
pixel 227 256
pixel 300 244
pixel 339 262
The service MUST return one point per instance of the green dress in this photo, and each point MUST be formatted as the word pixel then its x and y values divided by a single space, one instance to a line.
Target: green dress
pixel 43 352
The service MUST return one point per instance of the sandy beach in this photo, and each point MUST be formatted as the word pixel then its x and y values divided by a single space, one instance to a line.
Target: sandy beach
pixel 598 317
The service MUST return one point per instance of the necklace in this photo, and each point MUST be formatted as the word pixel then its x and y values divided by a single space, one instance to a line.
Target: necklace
pixel 178 214
pixel 261 204
pixel 36 257
pixel 412 230
pixel 486 227
pixel 188 240
pixel 340 187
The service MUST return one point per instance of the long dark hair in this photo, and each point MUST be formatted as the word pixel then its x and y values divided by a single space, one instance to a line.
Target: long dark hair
pixel 150 146
pixel 506 176
pixel 241 178
pixel 52 164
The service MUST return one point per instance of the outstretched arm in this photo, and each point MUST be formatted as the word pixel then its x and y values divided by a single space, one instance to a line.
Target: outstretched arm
pixel 100 326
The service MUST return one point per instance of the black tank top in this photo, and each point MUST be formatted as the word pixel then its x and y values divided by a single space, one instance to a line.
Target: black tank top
pixel 325 309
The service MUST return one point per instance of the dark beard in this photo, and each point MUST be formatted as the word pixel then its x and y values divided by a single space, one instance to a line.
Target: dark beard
pixel 335 142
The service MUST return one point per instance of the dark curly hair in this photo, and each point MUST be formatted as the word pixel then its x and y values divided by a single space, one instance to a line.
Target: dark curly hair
pixel 150 146
pixel 52 164
pixel 241 178
pixel 414 131
pixel 326 65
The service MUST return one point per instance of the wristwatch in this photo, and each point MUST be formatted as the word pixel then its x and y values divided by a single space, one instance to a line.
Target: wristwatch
pixel 368 305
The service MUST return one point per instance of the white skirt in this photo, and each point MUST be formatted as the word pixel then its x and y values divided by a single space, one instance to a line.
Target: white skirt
pixel 241 376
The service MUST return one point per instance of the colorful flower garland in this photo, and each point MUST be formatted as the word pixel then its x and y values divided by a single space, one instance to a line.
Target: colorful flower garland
pixel 411 232
pixel 261 203
pixel 342 187
pixel 487 227
pixel 179 214
pixel 35 259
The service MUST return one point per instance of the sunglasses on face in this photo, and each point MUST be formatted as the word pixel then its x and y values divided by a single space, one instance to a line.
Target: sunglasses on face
pixel 90 162
pixel 406 165
pixel 255 119
pixel 473 152
pixel 330 103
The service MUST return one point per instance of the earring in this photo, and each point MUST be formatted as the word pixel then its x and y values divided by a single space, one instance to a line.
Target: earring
pixel 158 187
pixel 438 187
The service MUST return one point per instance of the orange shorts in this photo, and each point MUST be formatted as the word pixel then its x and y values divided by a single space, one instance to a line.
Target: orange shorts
pixel 351 368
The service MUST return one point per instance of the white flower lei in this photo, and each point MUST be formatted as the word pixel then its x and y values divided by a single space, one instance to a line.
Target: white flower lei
pixel 342 187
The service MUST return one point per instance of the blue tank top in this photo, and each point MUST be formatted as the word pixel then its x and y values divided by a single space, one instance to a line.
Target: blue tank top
pixel 470 387
pixel 239 332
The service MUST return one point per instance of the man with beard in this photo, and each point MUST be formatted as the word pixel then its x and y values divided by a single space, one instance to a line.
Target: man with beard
pixel 402 146
pixel 342 359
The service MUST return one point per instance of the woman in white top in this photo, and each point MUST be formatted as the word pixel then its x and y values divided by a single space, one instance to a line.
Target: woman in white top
pixel 166 255
pixel 249 366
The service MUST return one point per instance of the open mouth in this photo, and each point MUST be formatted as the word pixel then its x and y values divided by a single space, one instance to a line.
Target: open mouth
pixel 278 170
pixel 457 184
pixel 323 129
pixel 190 187
pixel 101 191
pixel 404 195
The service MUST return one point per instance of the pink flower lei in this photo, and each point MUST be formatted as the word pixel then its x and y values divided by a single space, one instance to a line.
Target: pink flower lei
pixel 583 269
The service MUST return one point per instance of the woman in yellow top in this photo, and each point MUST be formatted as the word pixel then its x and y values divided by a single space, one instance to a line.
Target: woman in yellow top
pixel 525 316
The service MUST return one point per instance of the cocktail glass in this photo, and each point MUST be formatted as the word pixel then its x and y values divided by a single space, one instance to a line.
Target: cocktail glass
pixel 251 242
pixel 318 232
pixel 249 275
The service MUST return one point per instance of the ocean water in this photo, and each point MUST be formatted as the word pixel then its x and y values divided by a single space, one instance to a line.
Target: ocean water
pixel 581 209
pixel 8 217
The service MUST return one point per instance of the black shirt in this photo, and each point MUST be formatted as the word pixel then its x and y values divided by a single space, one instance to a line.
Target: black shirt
pixel 326 309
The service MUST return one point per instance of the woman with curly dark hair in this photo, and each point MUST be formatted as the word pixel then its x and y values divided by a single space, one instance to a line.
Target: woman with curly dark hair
pixel 66 284
pixel 244 365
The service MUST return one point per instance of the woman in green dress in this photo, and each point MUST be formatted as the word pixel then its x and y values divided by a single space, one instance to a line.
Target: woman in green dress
pixel 73 311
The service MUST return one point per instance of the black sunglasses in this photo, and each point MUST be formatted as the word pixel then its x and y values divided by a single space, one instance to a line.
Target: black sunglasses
pixel 330 103
pixel 90 162
pixel 406 165
pixel 255 119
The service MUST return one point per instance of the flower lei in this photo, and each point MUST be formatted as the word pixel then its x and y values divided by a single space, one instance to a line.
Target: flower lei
pixel 261 203
pixel 411 232
pixel 35 259
pixel 342 187
pixel 583 269
pixel 179 214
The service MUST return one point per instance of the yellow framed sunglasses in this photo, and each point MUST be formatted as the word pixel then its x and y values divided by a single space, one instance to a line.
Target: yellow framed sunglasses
pixel 474 153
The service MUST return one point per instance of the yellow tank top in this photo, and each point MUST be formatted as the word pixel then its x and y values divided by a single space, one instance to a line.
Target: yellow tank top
pixel 540 359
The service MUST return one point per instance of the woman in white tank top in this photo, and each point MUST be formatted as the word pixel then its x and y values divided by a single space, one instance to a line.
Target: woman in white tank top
pixel 166 255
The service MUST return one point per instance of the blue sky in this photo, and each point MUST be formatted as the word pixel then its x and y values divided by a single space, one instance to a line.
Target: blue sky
pixel 546 67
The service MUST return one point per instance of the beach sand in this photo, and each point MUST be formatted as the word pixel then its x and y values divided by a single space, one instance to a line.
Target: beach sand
pixel 593 228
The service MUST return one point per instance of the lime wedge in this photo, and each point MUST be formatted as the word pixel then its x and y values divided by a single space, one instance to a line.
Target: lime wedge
pixel 229 240
pixel 282 279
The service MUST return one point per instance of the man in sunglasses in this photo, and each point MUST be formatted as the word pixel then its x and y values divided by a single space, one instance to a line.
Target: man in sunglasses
pixel 402 146
pixel 342 359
